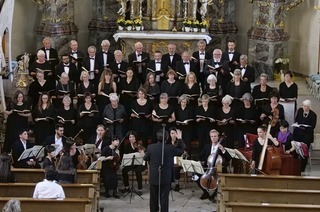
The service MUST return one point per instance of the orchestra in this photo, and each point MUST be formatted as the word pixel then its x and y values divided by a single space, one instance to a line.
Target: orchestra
pixel 205 99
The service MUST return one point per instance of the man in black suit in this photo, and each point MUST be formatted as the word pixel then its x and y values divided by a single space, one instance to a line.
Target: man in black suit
pixel 67 67
pixel 139 60
pixel 18 148
pixel 158 66
pixel 200 57
pixel 118 66
pixel 100 139
pixel 220 69
pixel 247 72
pixel 171 58
pixel 185 66
pixel 231 56
pixel 154 156
pixel 92 64
pixel 51 53
pixel 56 139
pixel 76 57
pixel 212 148
pixel 105 57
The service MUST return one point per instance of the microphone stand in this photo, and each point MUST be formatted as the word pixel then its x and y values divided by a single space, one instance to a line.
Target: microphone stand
pixel 162 158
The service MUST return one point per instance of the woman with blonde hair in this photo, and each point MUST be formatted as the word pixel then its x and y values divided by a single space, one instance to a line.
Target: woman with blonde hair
pixel 192 89
pixel 84 86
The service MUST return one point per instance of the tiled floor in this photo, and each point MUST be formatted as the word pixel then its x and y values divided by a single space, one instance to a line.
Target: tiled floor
pixel 188 203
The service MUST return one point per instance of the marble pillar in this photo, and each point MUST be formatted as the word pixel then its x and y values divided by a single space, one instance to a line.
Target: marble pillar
pixel 222 26
pixel 57 22
pixel 267 39
pixel 104 21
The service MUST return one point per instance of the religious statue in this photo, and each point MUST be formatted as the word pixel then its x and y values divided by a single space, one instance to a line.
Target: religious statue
pixel 204 7
pixel 123 9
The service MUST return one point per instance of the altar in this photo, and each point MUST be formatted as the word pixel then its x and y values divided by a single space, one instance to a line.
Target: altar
pixel 159 40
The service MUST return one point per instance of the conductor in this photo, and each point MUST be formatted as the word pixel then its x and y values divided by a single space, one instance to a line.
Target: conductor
pixel 154 156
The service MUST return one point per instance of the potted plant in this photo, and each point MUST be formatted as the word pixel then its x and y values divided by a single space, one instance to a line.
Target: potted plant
pixel 129 24
pixel 187 25
pixel 281 65
pixel 121 23
pixel 137 24
pixel 203 25
pixel 195 25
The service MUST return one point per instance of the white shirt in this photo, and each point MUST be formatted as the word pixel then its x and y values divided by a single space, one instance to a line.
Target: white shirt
pixel 158 68
pixel 243 70
pixel 66 68
pixel 214 148
pixel 201 60
pixel 187 67
pixel 231 56
pixel 48 189
pixel 139 58
pixel 47 54
pixel 60 145
pixel 105 58
pixel 91 76
pixel 24 143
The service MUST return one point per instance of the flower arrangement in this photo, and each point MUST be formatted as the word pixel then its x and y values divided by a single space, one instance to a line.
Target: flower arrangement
pixel 137 22
pixel 203 24
pixel 121 22
pixel 187 23
pixel 281 64
pixel 128 22
pixel 195 24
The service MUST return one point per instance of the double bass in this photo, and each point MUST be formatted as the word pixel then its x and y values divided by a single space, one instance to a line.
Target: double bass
pixel 270 159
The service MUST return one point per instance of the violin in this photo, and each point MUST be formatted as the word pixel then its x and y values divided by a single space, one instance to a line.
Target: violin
pixel 209 180
pixel 115 162
pixel 275 117
pixel 138 146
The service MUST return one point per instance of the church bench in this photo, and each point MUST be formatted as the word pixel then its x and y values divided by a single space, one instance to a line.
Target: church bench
pixel 267 195
pixel 26 190
pixel 269 181
pixel 51 205
pixel 269 207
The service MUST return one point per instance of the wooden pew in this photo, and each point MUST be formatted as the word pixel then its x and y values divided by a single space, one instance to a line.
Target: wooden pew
pixel 51 205
pixel 26 190
pixel 271 207
pixel 241 192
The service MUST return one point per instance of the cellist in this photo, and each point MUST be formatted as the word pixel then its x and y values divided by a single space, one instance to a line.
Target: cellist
pixel 207 150
pixel 108 171
pixel 258 144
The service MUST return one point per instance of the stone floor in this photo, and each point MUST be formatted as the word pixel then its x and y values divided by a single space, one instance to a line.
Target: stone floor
pixel 186 202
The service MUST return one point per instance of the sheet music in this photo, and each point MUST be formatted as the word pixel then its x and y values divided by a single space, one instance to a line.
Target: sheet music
pixel 192 166
pixel 93 165
pixel 138 159
pixel 36 151
pixel 234 153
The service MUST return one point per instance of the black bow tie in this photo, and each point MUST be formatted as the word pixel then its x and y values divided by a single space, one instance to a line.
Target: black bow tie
pixel 47 49
pixel 201 53
pixel 242 67
pixel 158 62
pixel 66 65
pixel 138 55
pixel 74 53
pixel 119 63
pixel 216 63
pixel 231 52
pixel 105 52
pixel 186 63
pixel 91 58
pixel 171 55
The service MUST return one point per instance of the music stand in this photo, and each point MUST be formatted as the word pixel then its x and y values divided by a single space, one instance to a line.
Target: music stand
pixel 133 159
pixel 194 167
pixel 36 151
pixel 176 161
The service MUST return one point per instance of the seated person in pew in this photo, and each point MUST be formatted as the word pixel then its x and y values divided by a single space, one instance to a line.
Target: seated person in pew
pixel 49 188
pixel 50 158
pixel 12 205
pixel 258 145
pixel 6 176
pixel 18 148
pixel 208 150
pixel 66 171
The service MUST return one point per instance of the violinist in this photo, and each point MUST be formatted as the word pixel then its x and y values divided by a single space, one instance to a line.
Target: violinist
pixel 205 153
pixel 273 111
pixel 57 139
pixel 108 171
pixel 49 159
pixel 131 147
pixel 258 145
pixel 100 139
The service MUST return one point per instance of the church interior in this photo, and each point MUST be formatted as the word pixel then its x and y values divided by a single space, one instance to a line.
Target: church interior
pixel 266 31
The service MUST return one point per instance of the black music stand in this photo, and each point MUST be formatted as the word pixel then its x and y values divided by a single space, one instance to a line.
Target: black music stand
pixel 132 160
pixel 195 168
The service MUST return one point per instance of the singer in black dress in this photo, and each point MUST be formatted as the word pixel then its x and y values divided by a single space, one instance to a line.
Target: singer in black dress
pixel 88 121
pixel 63 88
pixel 84 86
pixel 204 125
pixel 16 120
pixel 69 114
pixel 152 88
pixel 212 89
pixel 43 128
pixel 192 88
pixel 172 87
pixel 141 116
pixel 226 121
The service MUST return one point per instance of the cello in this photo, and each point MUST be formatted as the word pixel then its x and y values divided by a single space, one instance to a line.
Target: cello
pixel 270 159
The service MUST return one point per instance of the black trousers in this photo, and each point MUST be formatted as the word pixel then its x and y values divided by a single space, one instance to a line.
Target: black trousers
pixel 164 198
pixel 137 170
